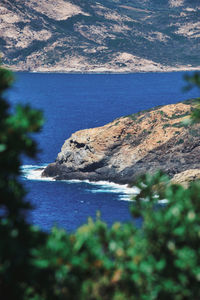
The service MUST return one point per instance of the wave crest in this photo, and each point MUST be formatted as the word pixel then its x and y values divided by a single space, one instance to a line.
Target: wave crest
pixel 34 172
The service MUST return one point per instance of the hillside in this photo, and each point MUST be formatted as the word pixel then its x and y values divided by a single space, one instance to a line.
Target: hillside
pixel 130 146
pixel 108 35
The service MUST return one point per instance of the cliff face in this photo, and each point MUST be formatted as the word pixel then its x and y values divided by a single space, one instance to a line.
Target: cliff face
pixel 100 36
pixel 129 146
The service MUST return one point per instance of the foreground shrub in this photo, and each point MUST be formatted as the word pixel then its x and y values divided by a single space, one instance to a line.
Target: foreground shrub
pixel 17 238
pixel 160 260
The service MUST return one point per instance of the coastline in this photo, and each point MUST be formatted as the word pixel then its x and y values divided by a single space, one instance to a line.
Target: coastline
pixel 104 71
pixel 34 172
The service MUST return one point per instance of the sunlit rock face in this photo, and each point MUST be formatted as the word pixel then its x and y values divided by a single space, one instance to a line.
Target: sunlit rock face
pixel 100 36
pixel 130 146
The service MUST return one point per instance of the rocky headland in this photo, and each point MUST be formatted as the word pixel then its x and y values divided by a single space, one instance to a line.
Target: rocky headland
pixel 129 146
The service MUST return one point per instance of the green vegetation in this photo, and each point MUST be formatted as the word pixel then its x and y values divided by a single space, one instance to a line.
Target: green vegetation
pixel 180 141
pixel 128 136
pixel 175 116
pixel 158 261
pixel 194 132
pixel 163 114
pixel 177 132
pixel 194 81
pixel 145 131
pixel 17 237
pixel 179 125
pixel 166 125
pixel 117 123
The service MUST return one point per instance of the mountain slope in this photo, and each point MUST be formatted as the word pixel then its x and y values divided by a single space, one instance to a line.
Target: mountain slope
pixel 112 35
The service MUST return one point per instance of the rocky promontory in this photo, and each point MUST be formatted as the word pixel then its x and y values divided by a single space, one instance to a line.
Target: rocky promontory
pixel 132 145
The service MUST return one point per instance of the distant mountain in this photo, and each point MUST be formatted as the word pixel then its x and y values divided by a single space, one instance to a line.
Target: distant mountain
pixel 103 35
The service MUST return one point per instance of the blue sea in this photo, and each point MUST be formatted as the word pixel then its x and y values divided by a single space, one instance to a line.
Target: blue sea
pixel 71 102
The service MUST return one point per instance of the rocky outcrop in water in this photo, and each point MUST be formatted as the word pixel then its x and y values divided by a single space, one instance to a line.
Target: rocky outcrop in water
pixel 132 145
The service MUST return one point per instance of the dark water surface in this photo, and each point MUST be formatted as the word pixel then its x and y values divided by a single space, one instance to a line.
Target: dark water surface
pixel 77 101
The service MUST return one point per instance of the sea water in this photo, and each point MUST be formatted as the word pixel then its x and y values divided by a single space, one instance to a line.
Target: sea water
pixel 71 102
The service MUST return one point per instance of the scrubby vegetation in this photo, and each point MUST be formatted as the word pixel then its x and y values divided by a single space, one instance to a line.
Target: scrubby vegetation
pixel 158 261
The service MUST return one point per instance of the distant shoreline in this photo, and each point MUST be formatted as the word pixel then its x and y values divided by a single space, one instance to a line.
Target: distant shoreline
pixel 104 72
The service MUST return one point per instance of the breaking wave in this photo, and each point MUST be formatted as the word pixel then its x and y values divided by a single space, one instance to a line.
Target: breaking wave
pixel 34 172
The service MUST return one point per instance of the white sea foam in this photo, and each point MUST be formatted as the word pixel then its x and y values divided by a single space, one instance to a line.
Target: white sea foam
pixel 34 172
pixel 124 191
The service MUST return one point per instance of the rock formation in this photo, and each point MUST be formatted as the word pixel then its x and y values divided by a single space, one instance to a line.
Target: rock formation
pixel 131 145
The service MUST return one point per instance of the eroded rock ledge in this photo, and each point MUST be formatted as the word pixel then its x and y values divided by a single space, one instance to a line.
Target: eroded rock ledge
pixel 129 146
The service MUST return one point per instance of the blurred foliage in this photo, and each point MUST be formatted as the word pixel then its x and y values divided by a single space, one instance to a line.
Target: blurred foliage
pixel 194 81
pixel 17 238
pixel 157 261
pixel 160 260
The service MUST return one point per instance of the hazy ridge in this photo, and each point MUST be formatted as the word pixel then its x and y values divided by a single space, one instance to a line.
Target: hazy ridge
pixel 108 35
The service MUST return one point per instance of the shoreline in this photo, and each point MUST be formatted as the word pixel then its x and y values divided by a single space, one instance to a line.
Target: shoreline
pixel 104 72
pixel 33 172
pixel 38 170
